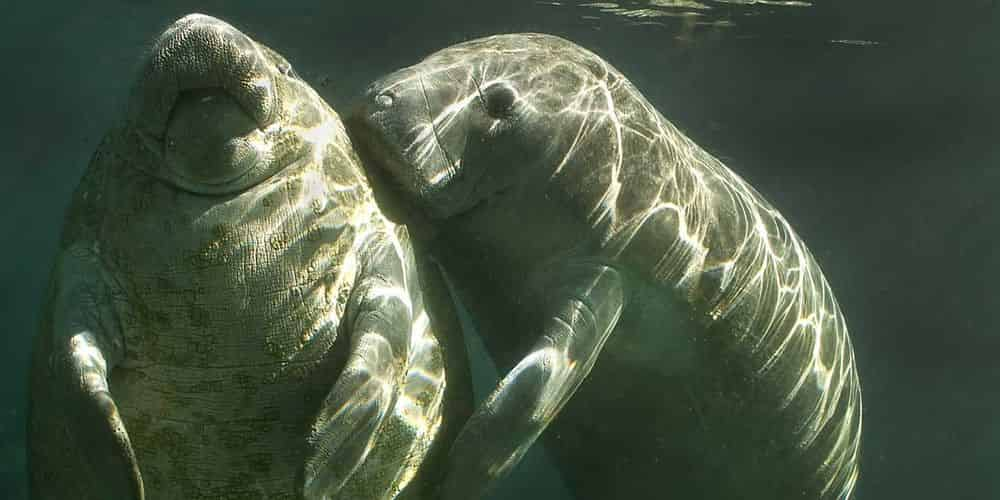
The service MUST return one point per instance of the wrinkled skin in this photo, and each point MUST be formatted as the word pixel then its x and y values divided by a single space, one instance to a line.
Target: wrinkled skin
pixel 230 315
pixel 660 321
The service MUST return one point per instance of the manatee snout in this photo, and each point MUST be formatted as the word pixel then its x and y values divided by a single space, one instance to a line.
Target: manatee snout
pixel 391 109
pixel 371 115
pixel 212 105
pixel 414 125
pixel 202 52
pixel 204 89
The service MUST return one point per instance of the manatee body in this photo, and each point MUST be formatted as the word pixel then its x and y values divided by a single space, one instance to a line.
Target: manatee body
pixel 657 315
pixel 230 315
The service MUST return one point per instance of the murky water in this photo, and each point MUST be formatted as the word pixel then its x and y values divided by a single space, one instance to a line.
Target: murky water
pixel 870 125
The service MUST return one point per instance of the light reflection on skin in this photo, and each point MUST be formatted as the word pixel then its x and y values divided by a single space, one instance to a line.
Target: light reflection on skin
pixel 235 285
pixel 657 203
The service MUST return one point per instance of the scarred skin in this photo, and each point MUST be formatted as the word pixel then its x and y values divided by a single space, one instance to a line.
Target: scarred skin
pixel 661 322
pixel 230 314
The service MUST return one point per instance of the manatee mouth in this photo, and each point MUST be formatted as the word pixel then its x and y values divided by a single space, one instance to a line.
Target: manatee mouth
pixel 382 157
pixel 381 163
pixel 400 190
pixel 209 139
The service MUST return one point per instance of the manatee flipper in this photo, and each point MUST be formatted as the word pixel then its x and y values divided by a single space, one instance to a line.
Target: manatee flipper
pixel 433 402
pixel 583 307
pixel 379 316
pixel 78 445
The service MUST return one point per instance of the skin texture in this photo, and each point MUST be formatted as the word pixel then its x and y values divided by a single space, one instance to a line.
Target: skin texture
pixel 658 318
pixel 230 314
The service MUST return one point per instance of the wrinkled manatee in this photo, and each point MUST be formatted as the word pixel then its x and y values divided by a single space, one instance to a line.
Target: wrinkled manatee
pixel 652 311
pixel 230 315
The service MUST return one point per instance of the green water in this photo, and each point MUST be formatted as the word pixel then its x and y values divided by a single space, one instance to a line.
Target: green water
pixel 872 125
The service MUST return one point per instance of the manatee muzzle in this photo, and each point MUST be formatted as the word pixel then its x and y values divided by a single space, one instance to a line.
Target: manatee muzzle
pixel 205 91
pixel 414 126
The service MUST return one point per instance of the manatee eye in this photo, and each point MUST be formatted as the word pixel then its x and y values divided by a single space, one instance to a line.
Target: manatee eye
pixel 499 100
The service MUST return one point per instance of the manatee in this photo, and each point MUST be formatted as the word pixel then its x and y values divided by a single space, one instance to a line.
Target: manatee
pixel 653 314
pixel 230 315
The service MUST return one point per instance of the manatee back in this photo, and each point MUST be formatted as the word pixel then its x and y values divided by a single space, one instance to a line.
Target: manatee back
pixel 675 217
pixel 687 222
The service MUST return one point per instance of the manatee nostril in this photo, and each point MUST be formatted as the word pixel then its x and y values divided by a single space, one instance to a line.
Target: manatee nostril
pixel 384 100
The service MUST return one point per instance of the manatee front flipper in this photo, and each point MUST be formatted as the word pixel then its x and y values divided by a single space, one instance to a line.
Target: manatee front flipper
pixel 78 445
pixel 379 317
pixel 583 304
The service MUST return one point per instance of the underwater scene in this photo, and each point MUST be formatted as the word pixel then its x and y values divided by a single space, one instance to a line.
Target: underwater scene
pixel 526 249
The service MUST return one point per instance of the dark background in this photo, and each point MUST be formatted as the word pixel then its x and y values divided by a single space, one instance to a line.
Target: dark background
pixel 883 156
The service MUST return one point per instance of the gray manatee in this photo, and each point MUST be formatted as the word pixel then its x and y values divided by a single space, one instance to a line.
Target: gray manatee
pixel 654 313
pixel 230 314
